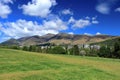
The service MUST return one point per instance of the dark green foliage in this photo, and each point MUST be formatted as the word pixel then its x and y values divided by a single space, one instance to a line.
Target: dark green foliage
pixel 25 48
pixel 38 49
pixel 76 50
pixel 70 51
pixel 58 50
pixel 32 48
pixel 116 52
pixel 66 49
pixel 11 47
pixel 15 47
pixel 92 52
pixel 116 46
pixel 48 49
pixel 104 52
pixel 44 50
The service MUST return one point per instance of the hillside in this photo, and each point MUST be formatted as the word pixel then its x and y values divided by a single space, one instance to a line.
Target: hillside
pixel 109 42
pixel 20 65
pixel 61 38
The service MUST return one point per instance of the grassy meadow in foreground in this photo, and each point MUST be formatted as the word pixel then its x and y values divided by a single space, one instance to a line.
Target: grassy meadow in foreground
pixel 20 65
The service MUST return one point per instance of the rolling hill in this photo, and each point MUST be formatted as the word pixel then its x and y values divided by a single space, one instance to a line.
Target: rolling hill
pixel 21 65
pixel 61 38
pixel 109 42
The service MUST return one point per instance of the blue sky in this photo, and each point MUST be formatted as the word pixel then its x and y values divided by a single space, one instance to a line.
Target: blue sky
pixel 20 18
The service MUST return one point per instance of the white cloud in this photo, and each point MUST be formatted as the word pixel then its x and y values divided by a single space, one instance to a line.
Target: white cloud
pixel 87 17
pixel 5 9
pixel 22 28
pixel 70 33
pixel 98 33
pixel 55 24
pixel 81 23
pixel 53 2
pixel 94 18
pixel 67 12
pixel 0 25
pixel 95 22
pixel 0 33
pixel 6 1
pixel 88 34
pixel 39 8
pixel 104 6
pixel 117 10
pixel 71 20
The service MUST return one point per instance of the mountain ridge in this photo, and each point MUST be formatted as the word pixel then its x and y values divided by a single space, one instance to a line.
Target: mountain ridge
pixel 61 38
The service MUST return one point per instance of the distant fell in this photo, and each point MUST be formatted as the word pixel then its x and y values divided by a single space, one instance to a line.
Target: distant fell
pixel 61 38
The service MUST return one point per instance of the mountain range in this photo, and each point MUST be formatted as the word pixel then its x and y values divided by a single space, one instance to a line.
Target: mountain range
pixel 61 38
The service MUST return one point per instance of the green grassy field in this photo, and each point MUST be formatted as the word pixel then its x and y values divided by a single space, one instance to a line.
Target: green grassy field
pixel 20 65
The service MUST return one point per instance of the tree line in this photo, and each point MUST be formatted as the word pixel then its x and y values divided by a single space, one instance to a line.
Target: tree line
pixel 104 51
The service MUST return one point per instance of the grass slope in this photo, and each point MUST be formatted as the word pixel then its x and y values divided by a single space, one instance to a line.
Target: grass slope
pixel 109 42
pixel 20 65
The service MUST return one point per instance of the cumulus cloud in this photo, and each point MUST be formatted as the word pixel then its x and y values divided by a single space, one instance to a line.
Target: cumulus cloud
pixel 39 8
pixel 56 24
pixel 81 23
pixel 0 33
pixel 70 33
pixel 5 9
pixel 104 6
pixel 22 28
pixel 67 12
pixel 88 34
pixel 117 10
pixel 6 1
pixel 87 17
pixel 98 33
pixel 95 22
pixel 71 20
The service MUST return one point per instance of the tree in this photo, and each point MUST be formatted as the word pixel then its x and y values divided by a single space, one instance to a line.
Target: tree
pixel 92 52
pixel 25 48
pixel 75 50
pixel 38 49
pixel 66 49
pixel 58 50
pixel 32 48
pixel 116 52
pixel 109 52
pixel 15 47
pixel 70 51
pixel 104 51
